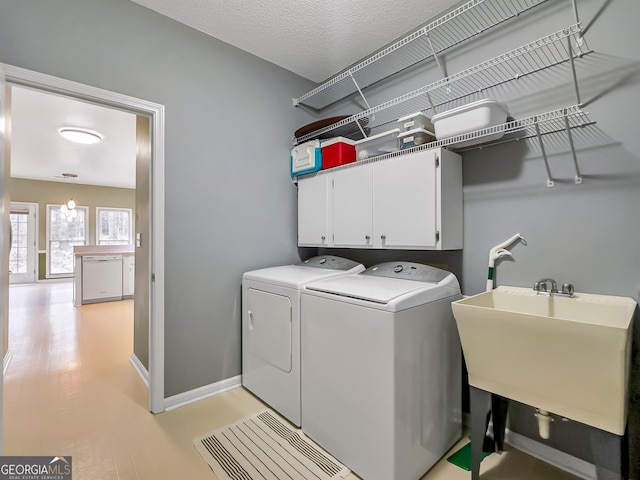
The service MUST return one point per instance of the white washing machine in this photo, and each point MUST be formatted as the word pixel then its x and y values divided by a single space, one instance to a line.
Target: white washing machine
pixel 381 363
pixel 271 328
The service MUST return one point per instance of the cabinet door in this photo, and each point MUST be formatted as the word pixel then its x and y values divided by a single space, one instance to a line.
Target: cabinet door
pixel 312 211
pixel 405 201
pixel 352 197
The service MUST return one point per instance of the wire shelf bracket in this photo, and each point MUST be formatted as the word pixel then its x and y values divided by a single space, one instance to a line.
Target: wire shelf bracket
pixel 550 181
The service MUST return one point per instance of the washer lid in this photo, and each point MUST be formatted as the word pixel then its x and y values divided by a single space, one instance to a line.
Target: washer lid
pixel 388 286
pixel 297 276
pixel 384 291
pixel 372 289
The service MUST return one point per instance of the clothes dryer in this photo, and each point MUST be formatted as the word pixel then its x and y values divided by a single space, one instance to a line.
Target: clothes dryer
pixel 271 328
pixel 381 363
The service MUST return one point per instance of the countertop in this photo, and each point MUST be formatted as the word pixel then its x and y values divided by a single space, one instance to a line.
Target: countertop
pixel 102 249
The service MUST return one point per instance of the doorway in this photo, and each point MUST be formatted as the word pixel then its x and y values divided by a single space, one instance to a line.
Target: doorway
pixel 23 244
pixel 155 273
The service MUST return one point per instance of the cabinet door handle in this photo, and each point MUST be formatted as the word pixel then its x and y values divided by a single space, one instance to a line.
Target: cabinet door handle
pixel 251 327
pixel 323 238
pixel 383 237
pixel 367 238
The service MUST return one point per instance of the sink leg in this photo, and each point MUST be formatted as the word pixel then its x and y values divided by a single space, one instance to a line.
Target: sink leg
pixel 480 401
pixel 485 405
pixel 610 455
pixel 499 409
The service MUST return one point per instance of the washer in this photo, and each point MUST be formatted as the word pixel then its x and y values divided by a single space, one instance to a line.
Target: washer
pixel 381 363
pixel 271 328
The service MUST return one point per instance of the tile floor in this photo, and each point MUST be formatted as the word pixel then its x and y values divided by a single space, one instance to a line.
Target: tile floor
pixel 70 390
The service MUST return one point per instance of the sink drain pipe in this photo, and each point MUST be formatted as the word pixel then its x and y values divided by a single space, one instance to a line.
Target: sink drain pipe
pixel 544 423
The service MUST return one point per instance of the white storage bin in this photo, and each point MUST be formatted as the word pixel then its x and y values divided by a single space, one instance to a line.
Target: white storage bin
pixel 415 137
pixel 469 118
pixel 385 142
pixel 413 121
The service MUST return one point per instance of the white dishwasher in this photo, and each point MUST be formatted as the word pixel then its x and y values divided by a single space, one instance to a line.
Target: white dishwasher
pixel 101 278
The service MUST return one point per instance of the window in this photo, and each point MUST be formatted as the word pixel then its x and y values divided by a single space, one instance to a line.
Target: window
pixel 62 235
pixel 19 246
pixel 114 226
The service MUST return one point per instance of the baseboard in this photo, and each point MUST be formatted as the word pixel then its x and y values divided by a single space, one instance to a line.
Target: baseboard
pixel 140 368
pixel 563 461
pixel 6 361
pixel 185 398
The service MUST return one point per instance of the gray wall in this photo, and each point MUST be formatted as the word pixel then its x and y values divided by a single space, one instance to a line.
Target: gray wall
pixel 582 234
pixel 230 204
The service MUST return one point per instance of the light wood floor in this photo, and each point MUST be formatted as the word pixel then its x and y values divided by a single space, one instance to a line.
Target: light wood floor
pixel 70 390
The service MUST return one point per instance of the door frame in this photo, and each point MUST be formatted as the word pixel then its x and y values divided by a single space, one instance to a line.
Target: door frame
pixel 156 113
pixel 33 227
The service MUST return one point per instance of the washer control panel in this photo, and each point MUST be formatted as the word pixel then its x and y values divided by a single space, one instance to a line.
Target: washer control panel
pixel 408 271
pixel 330 262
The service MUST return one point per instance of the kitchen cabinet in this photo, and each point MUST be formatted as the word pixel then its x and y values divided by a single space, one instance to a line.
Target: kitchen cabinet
pixel 102 273
pixel 411 201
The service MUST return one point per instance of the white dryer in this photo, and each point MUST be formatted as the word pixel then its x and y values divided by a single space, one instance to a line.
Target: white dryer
pixel 381 363
pixel 271 328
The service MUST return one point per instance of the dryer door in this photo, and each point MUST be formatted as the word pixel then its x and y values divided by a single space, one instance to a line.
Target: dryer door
pixel 269 328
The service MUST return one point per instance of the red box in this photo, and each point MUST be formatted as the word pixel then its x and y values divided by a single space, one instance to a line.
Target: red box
pixel 337 151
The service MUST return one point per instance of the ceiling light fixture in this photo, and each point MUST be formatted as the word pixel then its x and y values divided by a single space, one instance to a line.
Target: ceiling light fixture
pixel 69 209
pixel 80 135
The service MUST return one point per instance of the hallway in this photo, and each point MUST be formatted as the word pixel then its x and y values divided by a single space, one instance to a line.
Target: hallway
pixel 70 390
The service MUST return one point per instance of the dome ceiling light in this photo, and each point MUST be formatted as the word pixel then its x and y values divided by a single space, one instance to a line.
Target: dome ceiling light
pixel 80 135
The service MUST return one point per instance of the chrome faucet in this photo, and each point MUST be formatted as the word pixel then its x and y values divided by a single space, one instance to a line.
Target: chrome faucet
pixel 548 287
pixel 542 286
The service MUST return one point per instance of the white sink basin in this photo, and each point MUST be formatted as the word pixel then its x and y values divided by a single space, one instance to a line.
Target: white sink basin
pixel 569 356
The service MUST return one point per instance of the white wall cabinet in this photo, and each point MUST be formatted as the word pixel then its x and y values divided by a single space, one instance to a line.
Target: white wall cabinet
pixel 313 211
pixel 351 196
pixel 411 201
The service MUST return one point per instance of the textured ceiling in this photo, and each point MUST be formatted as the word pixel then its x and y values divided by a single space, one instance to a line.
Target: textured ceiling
pixel 313 38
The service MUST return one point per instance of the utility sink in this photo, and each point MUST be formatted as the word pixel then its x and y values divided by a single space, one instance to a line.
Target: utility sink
pixel 568 356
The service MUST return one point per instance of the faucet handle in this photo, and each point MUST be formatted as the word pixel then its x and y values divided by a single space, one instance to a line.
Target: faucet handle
pixel 568 289
pixel 542 285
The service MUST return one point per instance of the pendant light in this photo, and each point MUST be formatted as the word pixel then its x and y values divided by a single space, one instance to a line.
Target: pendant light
pixel 68 209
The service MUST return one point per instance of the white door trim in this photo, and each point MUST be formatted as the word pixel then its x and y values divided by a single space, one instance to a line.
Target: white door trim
pixel 28 78
pixel 4 238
